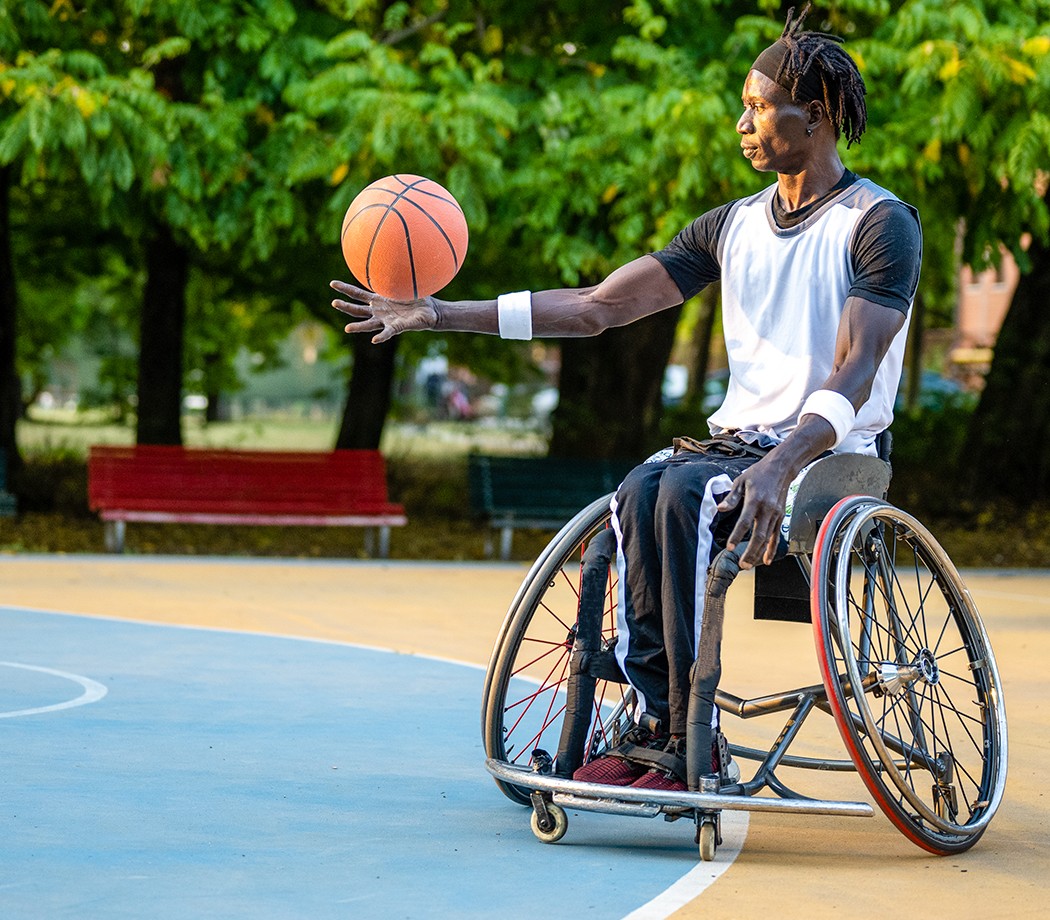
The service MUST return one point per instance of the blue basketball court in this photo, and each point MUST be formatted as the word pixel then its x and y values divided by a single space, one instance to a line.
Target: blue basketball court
pixel 183 772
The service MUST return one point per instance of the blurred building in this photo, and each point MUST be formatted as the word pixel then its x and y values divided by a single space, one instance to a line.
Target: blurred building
pixel 983 301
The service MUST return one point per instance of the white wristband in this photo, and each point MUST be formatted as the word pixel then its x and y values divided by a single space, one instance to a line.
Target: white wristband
pixel 834 408
pixel 514 313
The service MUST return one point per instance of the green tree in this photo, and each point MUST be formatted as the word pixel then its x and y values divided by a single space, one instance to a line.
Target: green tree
pixel 540 121
pixel 165 112
pixel 964 91
pixel 53 130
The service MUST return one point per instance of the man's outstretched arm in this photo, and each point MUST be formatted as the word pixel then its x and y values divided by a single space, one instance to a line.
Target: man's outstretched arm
pixel 632 291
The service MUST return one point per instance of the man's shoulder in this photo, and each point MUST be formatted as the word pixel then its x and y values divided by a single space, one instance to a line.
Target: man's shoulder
pixel 865 193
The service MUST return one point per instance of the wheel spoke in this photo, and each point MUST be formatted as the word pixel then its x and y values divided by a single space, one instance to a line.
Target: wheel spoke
pixel 912 627
pixel 557 646
pixel 525 691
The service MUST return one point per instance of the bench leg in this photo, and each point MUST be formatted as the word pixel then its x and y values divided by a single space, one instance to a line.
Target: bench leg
pixel 384 541
pixel 506 535
pixel 114 536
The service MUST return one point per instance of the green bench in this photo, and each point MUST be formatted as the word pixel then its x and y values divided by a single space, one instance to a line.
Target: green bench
pixel 8 503
pixel 537 492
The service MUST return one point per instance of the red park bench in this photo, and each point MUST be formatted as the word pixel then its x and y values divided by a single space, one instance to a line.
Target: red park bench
pixel 161 484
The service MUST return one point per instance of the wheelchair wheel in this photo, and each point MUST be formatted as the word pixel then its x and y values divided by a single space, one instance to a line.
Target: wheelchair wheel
pixel 911 679
pixel 524 695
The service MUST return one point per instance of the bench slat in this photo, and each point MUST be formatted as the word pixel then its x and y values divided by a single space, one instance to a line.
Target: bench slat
pixel 241 482
pixel 538 491
pixel 284 520
pixel 167 484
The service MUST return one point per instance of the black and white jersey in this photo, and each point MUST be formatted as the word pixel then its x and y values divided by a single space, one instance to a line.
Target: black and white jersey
pixel 785 280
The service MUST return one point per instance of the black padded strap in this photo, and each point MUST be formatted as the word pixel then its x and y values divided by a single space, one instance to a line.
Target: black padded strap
pixel 652 758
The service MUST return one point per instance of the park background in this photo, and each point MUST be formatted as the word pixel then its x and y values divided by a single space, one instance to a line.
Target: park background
pixel 173 176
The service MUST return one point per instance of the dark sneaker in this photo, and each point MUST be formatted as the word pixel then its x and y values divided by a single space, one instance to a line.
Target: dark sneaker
pixel 658 779
pixel 614 769
pixel 670 774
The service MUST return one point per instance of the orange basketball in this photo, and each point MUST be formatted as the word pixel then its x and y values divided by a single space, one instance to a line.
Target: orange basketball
pixel 404 237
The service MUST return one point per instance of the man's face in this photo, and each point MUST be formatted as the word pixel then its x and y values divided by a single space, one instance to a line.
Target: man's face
pixel 773 127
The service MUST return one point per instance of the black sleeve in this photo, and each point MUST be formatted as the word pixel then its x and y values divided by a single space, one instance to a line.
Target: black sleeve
pixel 887 253
pixel 691 258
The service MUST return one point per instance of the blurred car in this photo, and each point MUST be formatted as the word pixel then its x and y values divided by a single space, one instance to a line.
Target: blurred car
pixel 676 382
pixel 715 388
pixel 935 392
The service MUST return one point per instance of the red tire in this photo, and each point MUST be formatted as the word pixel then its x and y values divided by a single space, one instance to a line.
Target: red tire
pixel 927 727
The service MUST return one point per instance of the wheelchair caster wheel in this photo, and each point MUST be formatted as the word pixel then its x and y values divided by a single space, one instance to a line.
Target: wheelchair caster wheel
pixel 708 834
pixel 560 824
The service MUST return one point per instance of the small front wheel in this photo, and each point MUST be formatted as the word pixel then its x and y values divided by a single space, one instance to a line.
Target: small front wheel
pixel 555 833
pixel 708 840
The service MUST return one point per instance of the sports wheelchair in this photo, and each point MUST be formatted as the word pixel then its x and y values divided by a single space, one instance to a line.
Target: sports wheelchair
pixel 908 675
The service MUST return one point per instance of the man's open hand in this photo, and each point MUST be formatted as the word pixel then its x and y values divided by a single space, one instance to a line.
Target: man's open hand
pixel 377 314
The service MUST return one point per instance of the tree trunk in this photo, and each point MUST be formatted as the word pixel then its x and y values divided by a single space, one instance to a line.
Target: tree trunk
pixel 160 342
pixel 368 399
pixel 700 349
pixel 609 402
pixel 1008 446
pixel 10 385
pixel 218 408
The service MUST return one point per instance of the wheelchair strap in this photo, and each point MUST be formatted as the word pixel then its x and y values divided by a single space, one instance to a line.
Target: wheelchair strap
pixel 650 757
pixel 724 444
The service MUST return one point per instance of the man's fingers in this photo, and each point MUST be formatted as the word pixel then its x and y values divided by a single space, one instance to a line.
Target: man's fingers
pixel 352 309
pixel 743 525
pixel 762 548
pixel 771 546
pixel 755 548
pixel 366 325
pixel 733 498
pixel 350 290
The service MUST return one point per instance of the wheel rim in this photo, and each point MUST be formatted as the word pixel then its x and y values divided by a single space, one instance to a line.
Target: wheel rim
pixel 933 719
pixel 525 698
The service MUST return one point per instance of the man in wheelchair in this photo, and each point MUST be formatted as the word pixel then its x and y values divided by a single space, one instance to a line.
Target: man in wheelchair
pixel 817 274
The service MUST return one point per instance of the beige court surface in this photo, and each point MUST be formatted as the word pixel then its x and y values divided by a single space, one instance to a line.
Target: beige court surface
pixel 790 866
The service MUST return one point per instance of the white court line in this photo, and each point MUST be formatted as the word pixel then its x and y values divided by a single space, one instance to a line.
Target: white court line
pixel 689 887
pixel 698 879
pixel 93 690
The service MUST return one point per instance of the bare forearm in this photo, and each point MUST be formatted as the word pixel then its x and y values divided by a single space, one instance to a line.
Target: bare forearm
pixel 557 313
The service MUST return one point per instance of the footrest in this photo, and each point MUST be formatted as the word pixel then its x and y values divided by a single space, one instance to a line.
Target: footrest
pixel 606 806
pixel 527 779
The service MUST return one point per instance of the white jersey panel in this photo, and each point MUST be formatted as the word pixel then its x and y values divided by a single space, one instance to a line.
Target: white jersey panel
pixel 783 294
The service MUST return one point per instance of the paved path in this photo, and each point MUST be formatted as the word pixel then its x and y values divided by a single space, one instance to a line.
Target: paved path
pixel 123 787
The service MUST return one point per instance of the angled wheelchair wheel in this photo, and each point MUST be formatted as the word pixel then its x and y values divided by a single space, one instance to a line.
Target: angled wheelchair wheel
pixel 525 688
pixel 911 679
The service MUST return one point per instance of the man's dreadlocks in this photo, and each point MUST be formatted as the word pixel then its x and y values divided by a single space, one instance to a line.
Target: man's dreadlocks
pixel 819 55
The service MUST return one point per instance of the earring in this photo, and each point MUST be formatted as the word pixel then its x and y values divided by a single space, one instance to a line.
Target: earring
pixel 809 132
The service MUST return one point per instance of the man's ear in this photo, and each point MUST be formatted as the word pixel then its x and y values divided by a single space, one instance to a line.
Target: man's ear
pixel 817 114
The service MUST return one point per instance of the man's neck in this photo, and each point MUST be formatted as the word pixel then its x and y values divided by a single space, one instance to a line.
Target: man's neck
pixel 796 190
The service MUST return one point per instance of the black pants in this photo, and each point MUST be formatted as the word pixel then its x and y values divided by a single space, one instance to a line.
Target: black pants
pixel 668 531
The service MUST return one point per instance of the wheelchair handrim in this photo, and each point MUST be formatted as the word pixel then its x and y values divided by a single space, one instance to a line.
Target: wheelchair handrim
pixel 970 619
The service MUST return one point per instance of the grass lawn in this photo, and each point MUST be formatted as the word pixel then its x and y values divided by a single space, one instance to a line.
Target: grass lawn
pixel 67 432
pixel 426 472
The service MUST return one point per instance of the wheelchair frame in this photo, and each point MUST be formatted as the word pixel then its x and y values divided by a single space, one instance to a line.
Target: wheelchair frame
pixel 891 618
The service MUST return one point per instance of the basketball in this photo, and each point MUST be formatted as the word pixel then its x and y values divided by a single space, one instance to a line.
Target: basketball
pixel 404 237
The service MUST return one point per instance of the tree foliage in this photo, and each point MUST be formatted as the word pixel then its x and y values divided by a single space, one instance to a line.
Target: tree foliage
pixel 575 138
